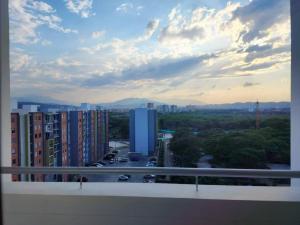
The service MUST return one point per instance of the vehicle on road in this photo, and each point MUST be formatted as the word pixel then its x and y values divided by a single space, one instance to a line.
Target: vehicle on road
pixel 112 161
pixel 150 164
pixel 123 178
pixel 122 159
pixel 95 165
pixel 101 162
pixel 115 151
pixel 149 177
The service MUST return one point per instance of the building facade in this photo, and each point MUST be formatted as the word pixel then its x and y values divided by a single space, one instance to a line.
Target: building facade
pixel 143 131
pixel 56 139
pixel 36 143
pixel 15 143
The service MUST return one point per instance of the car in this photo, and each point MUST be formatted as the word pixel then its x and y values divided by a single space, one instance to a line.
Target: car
pixel 101 162
pixel 127 175
pixel 122 159
pixel 150 164
pixel 95 165
pixel 115 151
pixel 149 177
pixel 112 161
pixel 123 178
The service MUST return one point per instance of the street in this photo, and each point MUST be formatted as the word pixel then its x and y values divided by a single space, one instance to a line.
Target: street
pixel 123 152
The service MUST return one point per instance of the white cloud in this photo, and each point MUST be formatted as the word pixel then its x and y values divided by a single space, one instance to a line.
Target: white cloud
pixel 26 16
pixel 130 7
pixel 46 42
pixel 98 34
pixel 42 7
pixel 19 60
pixel 80 7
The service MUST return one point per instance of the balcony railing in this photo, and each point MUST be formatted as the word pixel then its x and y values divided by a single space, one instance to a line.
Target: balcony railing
pixel 171 171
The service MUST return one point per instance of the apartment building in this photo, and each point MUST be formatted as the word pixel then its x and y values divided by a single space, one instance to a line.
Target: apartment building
pixel 36 143
pixel 15 143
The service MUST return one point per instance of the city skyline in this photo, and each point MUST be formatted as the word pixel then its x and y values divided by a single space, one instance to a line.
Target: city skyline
pixel 182 52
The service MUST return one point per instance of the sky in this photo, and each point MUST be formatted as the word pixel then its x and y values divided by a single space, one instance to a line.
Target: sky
pixel 179 52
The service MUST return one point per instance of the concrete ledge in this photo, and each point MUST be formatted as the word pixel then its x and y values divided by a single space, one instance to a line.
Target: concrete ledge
pixel 143 204
pixel 154 190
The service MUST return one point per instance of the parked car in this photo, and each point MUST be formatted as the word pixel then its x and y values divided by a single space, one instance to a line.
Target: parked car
pixel 127 175
pixel 112 161
pixel 149 177
pixel 150 164
pixel 122 159
pixel 95 165
pixel 101 162
pixel 123 178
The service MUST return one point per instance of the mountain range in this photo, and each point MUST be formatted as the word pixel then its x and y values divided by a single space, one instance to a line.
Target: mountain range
pixel 142 102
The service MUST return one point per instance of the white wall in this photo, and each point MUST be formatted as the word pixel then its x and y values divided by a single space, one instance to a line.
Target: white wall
pixel 5 124
pixel 150 204
pixel 295 106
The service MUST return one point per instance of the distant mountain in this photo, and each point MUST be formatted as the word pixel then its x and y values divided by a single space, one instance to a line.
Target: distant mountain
pixel 39 99
pixel 248 105
pixel 130 103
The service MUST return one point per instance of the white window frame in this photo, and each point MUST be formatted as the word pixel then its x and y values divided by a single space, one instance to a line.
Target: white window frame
pixel 5 124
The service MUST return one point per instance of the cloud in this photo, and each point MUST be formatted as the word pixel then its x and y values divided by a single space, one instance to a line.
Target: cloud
pixel 200 25
pixel 151 27
pixel 264 52
pixel 259 66
pixel 163 69
pixel 26 16
pixel 259 48
pixel 260 15
pixel 250 84
pixel 80 7
pixel 129 7
pixel 19 60
pixel 98 34
pixel 42 7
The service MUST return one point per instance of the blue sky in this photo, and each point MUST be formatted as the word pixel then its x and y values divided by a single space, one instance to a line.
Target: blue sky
pixel 183 52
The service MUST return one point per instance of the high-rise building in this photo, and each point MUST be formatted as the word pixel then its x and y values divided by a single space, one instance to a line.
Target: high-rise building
pixel 173 108
pixel 163 108
pixel 76 138
pixel 143 131
pixel 150 105
pixel 15 143
pixel 63 152
pixel 102 134
pixel 36 143
pixel 55 139
pixel 91 127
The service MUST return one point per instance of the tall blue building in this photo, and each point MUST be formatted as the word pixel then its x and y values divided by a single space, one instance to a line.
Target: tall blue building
pixel 143 131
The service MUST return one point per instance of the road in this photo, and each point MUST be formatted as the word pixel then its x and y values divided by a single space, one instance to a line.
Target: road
pixel 123 152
